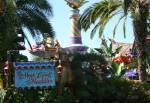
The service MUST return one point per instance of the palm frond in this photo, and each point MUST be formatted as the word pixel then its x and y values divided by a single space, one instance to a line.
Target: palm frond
pixel 28 42
pixel 35 22
pixel 102 11
pixel 126 5
pixel 110 49
pixel 83 2
pixel 41 5
pixel 115 28
pixel 33 14
pixel 94 30
pixel 124 27
pixel 117 50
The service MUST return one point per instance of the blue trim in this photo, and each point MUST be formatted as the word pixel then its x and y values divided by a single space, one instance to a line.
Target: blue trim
pixel 76 40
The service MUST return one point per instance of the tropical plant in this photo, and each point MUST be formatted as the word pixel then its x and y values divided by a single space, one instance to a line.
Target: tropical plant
pixel 108 51
pixel 87 88
pixel 148 56
pixel 104 10
pixel 117 70
pixel 20 14
pixel 33 14
pixel 148 62
pixel 86 80
pixel 8 22
pixel 2 95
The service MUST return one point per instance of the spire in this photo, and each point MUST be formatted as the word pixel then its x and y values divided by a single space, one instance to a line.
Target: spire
pixel 75 31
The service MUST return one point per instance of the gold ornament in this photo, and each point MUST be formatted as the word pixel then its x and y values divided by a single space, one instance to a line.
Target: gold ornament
pixel 75 4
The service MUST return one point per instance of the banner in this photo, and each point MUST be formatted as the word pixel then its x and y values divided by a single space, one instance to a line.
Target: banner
pixel 34 74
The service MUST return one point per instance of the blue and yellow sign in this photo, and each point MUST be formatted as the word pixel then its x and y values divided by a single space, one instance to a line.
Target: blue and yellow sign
pixel 34 74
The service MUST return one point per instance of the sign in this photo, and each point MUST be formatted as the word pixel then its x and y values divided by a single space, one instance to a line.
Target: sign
pixel 34 74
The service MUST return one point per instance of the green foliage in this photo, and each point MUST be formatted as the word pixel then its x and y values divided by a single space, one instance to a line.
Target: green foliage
pixel 85 88
pixel 2 95
pixel 23 14
pixel 148 55
pixel 8 22
pixel 13 95
pixel 19 57
pixel 134 63
pixel 37 59
pixel 30 12
pixel 103 11
pixel 107 51
pixel 85 83
pixel 108 91
pixel 126 5
pixel 117 70
pixel 88 88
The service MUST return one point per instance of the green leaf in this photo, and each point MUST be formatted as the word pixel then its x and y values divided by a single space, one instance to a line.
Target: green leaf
pixel 94 30
pixel 119 69
pixel 102 11
pixel 115 67
pixel 148 55
pixel 124 27
pixel 127 4
pixel 115 28
pixel 30 12
pixel 117 50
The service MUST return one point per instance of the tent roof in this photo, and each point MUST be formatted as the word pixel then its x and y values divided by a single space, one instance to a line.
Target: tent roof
pixel 125 47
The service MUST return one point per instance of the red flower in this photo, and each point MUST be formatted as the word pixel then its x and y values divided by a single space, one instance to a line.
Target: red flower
pixel 120 59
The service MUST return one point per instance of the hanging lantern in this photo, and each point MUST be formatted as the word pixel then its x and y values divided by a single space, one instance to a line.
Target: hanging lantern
pixel 59 69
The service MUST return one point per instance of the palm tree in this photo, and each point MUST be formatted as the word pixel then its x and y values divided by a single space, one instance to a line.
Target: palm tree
pixel 107 9
pixel 30 14
pixel 33 14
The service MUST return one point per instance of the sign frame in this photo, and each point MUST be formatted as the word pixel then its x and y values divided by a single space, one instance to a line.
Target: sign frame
pixel 35 74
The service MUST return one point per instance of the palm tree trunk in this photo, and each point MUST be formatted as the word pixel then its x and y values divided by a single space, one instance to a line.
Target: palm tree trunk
pixel 141 61
pixel 140 32
pixel 140 16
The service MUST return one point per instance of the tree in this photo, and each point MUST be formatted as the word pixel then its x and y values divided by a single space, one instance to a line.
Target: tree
pixel 33 14
pixel 107 9
pixel 8 23
pixel 20 14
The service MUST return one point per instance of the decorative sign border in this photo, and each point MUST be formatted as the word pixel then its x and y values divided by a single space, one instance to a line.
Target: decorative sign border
pixel 35 74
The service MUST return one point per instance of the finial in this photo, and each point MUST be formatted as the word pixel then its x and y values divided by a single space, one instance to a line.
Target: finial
pixel 75 4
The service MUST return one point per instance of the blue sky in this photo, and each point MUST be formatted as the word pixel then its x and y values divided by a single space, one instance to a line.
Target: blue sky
pixel 61 24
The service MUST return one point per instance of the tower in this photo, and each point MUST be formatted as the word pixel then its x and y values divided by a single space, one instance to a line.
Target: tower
pixel 75 35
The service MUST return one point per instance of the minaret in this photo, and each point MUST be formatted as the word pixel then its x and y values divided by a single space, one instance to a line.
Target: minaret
pixel 75 31
pixel 76 41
